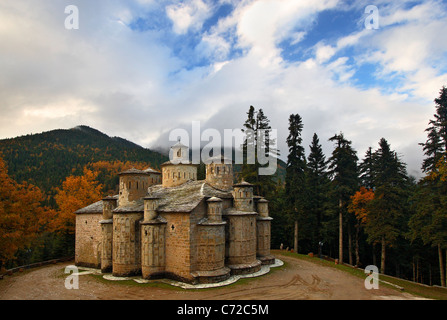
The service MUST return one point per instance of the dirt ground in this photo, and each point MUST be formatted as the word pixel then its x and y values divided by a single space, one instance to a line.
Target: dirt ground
pixel 296 280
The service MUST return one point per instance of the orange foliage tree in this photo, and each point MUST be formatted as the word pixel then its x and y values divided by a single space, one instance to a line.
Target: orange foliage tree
pixel 98 179
pixel 359 207
pixel 22 216
pixel 76 193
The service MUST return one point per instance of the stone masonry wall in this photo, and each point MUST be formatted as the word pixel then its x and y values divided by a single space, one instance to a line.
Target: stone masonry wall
pixel 126 244
pixel 263 237
pixel 178 249
pixel 220 175
pixel 107 245
pixel 88 240
pixel 153 256
pixel 210 247
pixel 176 175
pixel 133 187
pixel 241 241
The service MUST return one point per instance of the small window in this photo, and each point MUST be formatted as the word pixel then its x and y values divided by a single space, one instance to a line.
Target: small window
pixel 179 153
pixel 130 184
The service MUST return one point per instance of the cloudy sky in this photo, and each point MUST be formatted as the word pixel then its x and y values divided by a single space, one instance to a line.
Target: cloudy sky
pixel 140 68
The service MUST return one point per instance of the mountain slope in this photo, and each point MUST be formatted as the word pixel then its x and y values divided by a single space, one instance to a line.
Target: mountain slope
pixel 46 159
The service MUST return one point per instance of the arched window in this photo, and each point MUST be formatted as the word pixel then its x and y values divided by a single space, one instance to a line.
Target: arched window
pixel 179 153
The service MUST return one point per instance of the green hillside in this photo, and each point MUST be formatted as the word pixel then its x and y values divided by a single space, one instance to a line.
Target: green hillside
pixel 46 159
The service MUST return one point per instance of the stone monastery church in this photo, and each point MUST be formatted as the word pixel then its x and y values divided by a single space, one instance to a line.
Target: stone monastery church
pixel 170 225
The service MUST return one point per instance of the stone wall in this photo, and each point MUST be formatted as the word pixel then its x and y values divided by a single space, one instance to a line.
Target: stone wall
pixel 106 246
pixel 175 175
pixel 241 241
pixel 220 176
pixel 132 187
pixel 178 247
pixel 153 249
pixel 210 247
pixel 263 237
pixel 88 240
pixel 126 244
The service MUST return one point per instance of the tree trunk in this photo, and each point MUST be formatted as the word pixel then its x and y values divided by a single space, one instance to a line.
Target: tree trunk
pixel 429 272
pixel 417 271
pixel 357 253
pixel 374 254
pixel 441 266
pixel 340 233
pixel 295 245
pixel 350 244
pixel 414 271
pixel 382 264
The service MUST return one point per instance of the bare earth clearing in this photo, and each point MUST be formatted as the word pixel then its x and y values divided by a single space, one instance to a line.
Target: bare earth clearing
pixel 296 280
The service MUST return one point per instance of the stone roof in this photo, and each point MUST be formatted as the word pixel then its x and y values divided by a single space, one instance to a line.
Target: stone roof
pixel 214 199
pixel 221 159
pixel 180 163
pixel 179 145
pixel 94 207
pixel 243 184
pixel 132 171
pixel 234 212
pixel 184 198
pixel 150 170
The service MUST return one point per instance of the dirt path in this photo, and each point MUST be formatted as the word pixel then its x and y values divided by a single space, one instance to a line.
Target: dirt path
pixel 296 280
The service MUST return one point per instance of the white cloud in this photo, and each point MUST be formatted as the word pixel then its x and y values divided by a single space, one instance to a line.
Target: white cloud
pixel 188 15
pixel 131 84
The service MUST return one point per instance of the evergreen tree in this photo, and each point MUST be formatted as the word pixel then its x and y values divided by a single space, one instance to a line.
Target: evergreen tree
pixel 430 220
pixel 257 123
pixel 344 172
pixel 295 174
pixel 317 183
pixel 366 170
pixel 250 168
pixel 387 209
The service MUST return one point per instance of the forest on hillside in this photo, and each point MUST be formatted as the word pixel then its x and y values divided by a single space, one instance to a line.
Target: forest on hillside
pixel 359 209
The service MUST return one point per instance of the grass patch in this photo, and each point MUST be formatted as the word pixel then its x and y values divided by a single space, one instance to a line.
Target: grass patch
pixel 408 286
pixel 163 285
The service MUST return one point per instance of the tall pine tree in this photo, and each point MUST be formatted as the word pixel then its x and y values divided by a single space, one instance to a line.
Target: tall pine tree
pixel 258 137
pixel 344 173
pixel 295 174
pixel 317 183
pixel 430 221
pixel 386 210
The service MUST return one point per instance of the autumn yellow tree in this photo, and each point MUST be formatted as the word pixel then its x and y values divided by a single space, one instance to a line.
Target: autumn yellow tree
pixel 359 207
pixel 22 216
pixel 76 193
